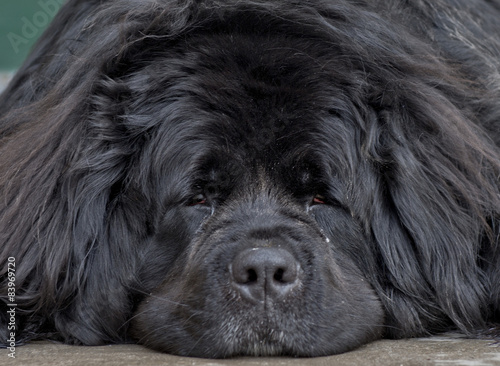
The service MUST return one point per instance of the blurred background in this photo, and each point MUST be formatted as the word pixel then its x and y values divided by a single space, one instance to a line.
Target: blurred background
pixel 21 23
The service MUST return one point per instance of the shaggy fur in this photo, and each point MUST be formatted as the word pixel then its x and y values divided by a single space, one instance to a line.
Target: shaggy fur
pixel 218 178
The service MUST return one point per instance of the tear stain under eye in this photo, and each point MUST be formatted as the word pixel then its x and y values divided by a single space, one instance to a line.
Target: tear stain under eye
pixel 327 239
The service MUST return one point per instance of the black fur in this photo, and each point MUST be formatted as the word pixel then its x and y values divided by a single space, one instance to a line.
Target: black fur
pixel 146 147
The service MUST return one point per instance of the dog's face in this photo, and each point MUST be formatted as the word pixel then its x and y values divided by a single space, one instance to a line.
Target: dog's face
pixel 256 226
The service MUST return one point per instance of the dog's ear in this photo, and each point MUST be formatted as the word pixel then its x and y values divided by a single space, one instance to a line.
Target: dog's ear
pixel 433 205
pixel 60 186
pixel 64 216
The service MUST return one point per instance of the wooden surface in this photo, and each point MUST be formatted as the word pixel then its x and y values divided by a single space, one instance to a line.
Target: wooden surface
pixel 436 351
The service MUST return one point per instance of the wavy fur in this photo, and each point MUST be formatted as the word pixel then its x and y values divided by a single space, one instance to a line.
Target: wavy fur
pixel 121 105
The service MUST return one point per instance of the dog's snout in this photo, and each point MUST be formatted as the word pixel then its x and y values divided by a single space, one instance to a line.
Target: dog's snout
pixel 261 274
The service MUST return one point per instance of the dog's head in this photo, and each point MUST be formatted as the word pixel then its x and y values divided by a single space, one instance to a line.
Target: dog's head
pixel 255 224
pixel 276 176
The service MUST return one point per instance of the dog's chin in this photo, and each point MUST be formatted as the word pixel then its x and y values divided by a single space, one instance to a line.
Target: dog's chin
pixel 183 330
pixel 233 338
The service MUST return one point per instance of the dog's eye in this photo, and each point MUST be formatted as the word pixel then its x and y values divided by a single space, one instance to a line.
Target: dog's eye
pixel 319 200
pixel 199 199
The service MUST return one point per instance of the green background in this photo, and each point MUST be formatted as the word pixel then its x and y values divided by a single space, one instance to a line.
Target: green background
pixel 23 21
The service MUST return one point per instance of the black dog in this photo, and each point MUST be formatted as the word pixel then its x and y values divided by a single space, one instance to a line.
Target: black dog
pixel 220 178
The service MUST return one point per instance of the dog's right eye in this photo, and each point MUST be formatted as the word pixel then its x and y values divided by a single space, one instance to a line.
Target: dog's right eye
pixel 199 199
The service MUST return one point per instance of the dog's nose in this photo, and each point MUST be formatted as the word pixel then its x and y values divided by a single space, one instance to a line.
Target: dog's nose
pixel 264 273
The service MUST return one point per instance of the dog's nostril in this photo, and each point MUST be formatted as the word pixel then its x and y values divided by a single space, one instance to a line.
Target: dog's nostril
pixel 278 275
pixel 252 276
pixel 260 273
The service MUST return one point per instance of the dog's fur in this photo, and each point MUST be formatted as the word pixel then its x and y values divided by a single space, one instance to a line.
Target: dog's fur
pixel 149 148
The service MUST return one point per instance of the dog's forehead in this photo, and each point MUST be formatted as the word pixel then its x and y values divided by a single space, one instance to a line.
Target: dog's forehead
pixel 260 107
pixel 257 143
pixel 262 87
pixel 246 104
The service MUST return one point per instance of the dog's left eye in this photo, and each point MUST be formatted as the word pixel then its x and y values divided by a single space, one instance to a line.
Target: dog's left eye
pixel 319 200
pixel 199 199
